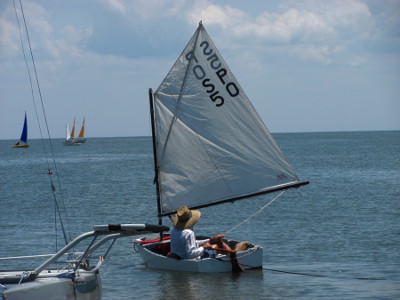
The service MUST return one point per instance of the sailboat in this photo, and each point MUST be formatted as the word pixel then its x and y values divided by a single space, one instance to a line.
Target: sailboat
pixel 23 141
pixel 81 137
pixel 210 147
pixel 70 140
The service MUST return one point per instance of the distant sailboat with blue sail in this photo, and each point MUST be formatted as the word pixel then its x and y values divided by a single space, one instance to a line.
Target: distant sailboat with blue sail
pixel 23 141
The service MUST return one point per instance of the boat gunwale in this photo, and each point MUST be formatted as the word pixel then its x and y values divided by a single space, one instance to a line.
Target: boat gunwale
pixel 146 246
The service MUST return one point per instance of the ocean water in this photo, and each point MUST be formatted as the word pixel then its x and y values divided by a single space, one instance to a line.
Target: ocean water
pixel 336 238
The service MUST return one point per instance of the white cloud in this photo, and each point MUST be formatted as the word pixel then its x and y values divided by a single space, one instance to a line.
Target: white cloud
pixel 353 13
pixel 312 52
pixel 321 31
pixel 308 30
pixel 148 9
pixel 284 27
pixel 114 49
pixel 118 5
pixel 225 17
pixel 8 43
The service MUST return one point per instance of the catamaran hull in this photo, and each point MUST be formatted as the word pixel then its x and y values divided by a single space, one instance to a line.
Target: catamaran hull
pixel 57 285
pixel 248 259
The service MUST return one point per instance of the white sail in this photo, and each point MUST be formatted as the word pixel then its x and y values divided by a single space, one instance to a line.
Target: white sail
pixel 211 145
pixel 68 135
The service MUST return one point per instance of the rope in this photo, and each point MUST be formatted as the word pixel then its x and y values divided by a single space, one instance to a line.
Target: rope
pixel 295 273
pixel 306 274
pixel 256 213
pixel 323 276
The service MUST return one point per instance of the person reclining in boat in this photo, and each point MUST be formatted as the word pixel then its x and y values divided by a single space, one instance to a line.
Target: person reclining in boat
pixel 183 240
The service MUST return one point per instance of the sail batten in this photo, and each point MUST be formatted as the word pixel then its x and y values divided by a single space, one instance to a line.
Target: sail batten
pixel 212 147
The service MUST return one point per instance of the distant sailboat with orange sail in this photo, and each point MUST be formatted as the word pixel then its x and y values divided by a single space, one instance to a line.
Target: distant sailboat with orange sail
pixel 70 139
pixel 73 131
pixel 81 136
pixel 23 141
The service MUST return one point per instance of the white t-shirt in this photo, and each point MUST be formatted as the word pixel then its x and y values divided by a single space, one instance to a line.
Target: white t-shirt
pixel 183 243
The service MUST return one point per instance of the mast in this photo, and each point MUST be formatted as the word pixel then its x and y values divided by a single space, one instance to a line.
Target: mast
pixel 153 134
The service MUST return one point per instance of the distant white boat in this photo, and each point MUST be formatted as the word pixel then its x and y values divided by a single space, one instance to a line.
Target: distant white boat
pixel 70 136
pixel 210 147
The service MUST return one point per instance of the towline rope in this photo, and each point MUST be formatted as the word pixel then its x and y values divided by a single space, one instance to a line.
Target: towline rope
pixel 320 275
pixel 256 213
pixel 308 274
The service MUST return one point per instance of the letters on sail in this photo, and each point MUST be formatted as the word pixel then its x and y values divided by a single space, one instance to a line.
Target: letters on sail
pixel 211 144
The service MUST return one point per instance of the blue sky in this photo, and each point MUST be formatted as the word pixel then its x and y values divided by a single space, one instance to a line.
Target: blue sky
pixel 307 66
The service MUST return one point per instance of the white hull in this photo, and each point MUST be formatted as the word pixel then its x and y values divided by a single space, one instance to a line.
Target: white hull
pixel 85 285
pixel 76 281
pixel 248 259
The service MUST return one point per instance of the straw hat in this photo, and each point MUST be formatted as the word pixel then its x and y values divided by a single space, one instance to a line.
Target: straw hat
pixel 185 218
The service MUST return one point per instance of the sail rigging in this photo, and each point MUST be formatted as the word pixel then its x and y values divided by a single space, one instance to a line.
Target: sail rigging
pixel 211 145
pixel 51 163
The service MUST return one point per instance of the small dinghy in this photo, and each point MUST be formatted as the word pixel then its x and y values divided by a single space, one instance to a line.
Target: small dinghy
pixel 210 147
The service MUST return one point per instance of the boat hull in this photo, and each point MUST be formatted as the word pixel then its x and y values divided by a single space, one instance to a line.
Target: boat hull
pixel 248 259
pixel 54 284
pixel 71 143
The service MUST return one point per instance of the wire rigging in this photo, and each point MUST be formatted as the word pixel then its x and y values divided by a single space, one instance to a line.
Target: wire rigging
pixel 256 213
pixel 56 201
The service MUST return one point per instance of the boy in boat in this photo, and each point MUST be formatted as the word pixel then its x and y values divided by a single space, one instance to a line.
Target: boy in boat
pixel 183 240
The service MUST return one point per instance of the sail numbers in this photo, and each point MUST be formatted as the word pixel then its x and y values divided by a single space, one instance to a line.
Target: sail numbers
pixel 220 72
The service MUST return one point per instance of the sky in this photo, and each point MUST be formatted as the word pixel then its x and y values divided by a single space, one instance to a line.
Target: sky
pixel 307 66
